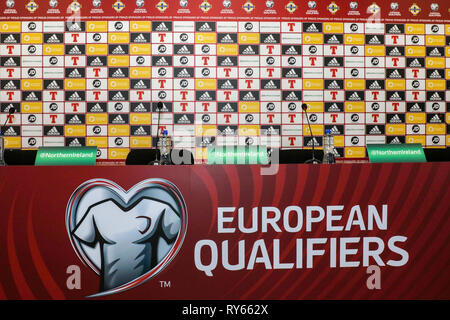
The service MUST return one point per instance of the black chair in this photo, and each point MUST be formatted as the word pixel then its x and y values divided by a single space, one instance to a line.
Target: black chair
pixel 141 156
pixel 296 155
pixel 437 154
pixel 18 157
pixel 148 156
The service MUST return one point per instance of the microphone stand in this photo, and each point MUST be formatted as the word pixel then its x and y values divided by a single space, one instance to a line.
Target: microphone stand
pixel 2 144
pixel 157 160
pixel 313 160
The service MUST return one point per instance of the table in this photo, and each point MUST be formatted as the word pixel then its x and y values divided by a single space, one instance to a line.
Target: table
pixel 343 231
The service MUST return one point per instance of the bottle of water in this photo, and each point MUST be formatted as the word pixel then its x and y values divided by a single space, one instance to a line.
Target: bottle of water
pixel 164 145
pixel 328 147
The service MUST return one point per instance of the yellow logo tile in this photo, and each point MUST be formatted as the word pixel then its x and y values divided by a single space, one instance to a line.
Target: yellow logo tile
pixel 118 61
pixel 119 84
pixel 141 142
pixel 339 141
pixel 395 84
pixel 140 49
pixel 119 37
pixel 140 72
pixel 435 85
pixel 12 26
pixel 53 49
pixel 12 142
pixel 313 84
pixel 435 40
pixel 248 130
pixel 375 51
pixel 435 128
pixel 205 38
pixel 140 118
pixel 356 106
pixel 313 38
pixel 96 118
pixel 32 38
pixel 355 152
pixel 118 153
pixel 31 107
pixel 316 129
pixel 435 63
pixel 414 28
pixel 354 39
pixel 415 117
pixel 337 27
pixel 75 84
pixel 99 142
pixel 32 84
pixel 119 130
pixel 414 51
pixel 315 106
pixel 249 107
pixel 355 84
pixel 97 49
pixel 97 26
pixel 205 130
pixel 75 131
pixel 395 129
pixel 206 84
pixel 416 139
pixel 141 26
pixel 227 50
pixel 248 38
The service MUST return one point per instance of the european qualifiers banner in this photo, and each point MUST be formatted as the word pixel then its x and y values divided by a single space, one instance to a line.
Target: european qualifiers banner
pixel 347 231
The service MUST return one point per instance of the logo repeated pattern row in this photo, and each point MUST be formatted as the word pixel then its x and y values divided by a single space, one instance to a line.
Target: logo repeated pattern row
pixel 97 83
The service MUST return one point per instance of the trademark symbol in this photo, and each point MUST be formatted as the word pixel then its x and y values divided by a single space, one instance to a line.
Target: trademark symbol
pixel 165 284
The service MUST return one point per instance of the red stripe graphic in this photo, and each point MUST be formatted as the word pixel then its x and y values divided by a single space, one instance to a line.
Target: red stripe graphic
pixel 17 273
pixel 46 278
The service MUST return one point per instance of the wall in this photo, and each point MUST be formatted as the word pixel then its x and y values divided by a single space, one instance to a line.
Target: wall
pixel 226 75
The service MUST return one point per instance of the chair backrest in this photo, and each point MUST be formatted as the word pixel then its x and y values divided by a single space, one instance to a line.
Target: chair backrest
pixel 141 156
pixel 297 155
pixel 18 157
pixel 146 156
pixel 437 154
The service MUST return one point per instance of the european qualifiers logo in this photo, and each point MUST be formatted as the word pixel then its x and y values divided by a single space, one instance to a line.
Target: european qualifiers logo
pixel 126 237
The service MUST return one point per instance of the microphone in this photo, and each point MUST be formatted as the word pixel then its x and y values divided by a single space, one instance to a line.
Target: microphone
pixel 313 160
pixel 159 106
pixel 10 112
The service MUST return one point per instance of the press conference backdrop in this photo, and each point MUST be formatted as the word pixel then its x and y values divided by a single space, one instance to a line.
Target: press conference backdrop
pixel 233 72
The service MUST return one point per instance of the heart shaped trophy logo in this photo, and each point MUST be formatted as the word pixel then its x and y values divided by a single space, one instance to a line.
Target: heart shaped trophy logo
pixel 126 237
